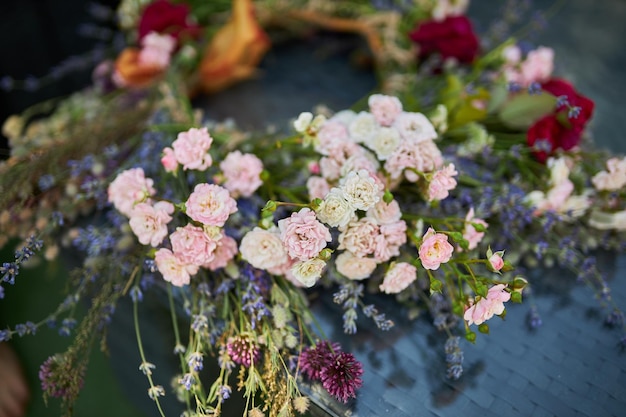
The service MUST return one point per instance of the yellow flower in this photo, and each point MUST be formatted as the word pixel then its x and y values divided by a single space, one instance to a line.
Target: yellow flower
pixel 235 50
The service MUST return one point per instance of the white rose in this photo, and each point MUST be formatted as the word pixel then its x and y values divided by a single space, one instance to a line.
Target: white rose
pixel 360 189
pixel 263 249
pixel 384 142
pixel 414 127
pixel 335 210
pixel 308 272
pixel 363 127
pixel 559 171
pixel 303 121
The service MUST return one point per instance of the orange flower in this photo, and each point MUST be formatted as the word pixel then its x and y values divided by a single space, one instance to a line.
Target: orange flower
pixel 130 72
pixel 235 50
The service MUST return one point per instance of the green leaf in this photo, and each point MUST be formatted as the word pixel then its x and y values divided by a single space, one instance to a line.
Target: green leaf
pixel 435 285
pixel 525 109
pixel 498 95
pixel 481 289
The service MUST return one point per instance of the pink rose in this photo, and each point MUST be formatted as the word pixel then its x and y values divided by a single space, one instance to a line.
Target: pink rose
pixel 388 242
pixel 168 160
pixel 210 204
pixel 470 234
pixel 496 261
pixel 385 213
pixel 422 156
pixel 192 245
pixel 263 249
pixel 442 182
pixel 359 237
pixel 224 253
pixel 435 249
pixel 331 133
pixel 129 188
pixel 149 223
pixel 538 66
pixel 173 269
pixel 354 267
pixel 482 309
pixel 398 278
pixel 318 187
pixel 156 50
pixel 191 149
pixel 384 108
pixel 303 235
pixel 242 173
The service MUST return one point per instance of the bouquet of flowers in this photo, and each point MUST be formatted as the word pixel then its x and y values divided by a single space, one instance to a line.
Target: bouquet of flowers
pixel 465 164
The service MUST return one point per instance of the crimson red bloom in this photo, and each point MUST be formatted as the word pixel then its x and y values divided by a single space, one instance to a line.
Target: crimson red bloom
pixel 453 37
pixel 164 17
pixel 563 128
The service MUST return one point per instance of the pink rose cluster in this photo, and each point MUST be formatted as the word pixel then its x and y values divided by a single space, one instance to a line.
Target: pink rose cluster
pixel 372 239
pixel 482 309
pixel 199 246
pixel 537 67
pixel 192 246
pixel 292 249
pixel 388 142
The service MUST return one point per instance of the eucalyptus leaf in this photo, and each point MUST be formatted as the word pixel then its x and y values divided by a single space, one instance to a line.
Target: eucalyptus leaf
pixel 525 109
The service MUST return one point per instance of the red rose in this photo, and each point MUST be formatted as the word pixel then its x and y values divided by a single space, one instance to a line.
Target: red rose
pixel 453 37
pixel 560 130
pixel 561 88
pixel 164 17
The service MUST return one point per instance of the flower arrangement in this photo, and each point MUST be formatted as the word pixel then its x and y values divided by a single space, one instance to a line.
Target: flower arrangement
pixel 466 167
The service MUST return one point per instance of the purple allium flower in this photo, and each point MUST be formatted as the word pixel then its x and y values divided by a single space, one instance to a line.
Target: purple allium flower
pixel 314 360
pixel 243 350
pixel 341 378
pixel 53 375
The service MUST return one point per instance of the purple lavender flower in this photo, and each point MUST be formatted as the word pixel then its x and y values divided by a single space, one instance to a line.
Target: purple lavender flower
pixel 341 377
pixel 243 350
pixel 187 381
pixel 195 361
pixel 454 358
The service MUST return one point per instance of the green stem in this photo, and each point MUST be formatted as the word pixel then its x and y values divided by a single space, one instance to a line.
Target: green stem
pixel 143 356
